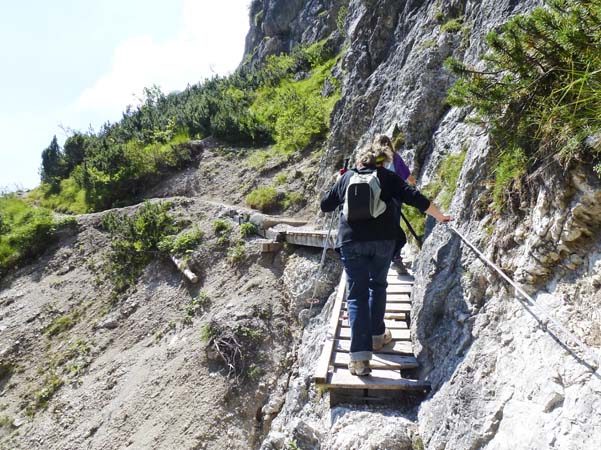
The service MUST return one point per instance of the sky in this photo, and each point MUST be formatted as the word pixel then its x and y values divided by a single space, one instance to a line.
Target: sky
pixel 71 65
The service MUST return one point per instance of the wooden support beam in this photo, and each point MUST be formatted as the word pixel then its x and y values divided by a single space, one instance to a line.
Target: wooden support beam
pixel 271 247
pixel 321 372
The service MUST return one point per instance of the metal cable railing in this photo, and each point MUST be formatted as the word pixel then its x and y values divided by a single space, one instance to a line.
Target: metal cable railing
pixel 549 317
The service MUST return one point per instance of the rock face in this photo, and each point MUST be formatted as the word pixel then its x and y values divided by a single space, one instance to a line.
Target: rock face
pixel 277 26
pixel 504 373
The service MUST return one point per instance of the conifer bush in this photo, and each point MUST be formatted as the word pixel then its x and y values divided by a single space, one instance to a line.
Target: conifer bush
pixel 540 87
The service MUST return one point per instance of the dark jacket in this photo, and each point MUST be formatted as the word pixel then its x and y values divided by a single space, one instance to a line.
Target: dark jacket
pixel 383 227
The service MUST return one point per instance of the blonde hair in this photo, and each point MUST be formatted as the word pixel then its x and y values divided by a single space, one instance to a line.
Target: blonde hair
pixel 370 155
pixel 381 140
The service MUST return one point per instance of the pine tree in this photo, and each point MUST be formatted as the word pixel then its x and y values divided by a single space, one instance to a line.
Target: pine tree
pixel 53 164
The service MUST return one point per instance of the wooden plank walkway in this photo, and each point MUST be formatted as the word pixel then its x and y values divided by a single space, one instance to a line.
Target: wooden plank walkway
pixel 387 364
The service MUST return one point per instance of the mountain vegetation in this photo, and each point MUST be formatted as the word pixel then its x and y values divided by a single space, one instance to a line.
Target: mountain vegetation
pixel 269 105
pixel 539 91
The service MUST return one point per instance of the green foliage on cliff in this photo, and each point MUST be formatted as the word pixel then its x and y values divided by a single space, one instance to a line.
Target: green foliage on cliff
pixel 540 89
pixel 440 190
pixel 25 232
pixel 255 106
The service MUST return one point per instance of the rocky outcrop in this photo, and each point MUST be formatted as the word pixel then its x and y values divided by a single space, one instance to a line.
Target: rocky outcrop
pixel 277 26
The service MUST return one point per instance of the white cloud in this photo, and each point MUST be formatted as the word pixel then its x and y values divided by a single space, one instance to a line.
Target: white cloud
pixel 210 40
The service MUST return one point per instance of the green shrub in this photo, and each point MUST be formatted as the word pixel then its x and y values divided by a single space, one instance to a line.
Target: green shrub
pixel 541 88
pixel 200 302
pixel 452 26
pixel 248 229
pixel 221 226
pixel 182 244
pixel 262 198
pixel 135 240
pixel 236 254
pixel 25 232
pixel 293 199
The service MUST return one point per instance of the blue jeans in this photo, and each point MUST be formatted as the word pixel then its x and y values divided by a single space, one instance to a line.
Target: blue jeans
pixel 366 265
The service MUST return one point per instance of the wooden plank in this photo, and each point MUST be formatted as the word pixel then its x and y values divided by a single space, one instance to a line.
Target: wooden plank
pixel 391 307
pixel 397 334
pixel 398 307
pixel 380 361
pixel 398 298
pixel 395 277
pixel 399 289
pixel 323 365
pixel 395 347
pixel 401 324
pixel 387 316
pixel 395 316
pixel 378 379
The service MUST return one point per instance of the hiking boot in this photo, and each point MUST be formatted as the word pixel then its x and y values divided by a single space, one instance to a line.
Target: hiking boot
pixel 378 342
pixel 399 267
pixel 359 368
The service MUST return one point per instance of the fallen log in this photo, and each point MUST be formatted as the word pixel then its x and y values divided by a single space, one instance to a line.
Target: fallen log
pixel 183 267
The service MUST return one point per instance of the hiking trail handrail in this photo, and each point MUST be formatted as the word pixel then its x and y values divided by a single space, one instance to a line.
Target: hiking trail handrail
pixel 582 345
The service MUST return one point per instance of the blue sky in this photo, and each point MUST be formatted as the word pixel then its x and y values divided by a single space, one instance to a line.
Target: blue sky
pixel 70 65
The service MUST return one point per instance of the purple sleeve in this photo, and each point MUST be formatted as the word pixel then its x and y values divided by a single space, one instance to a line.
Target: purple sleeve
pixel 400 167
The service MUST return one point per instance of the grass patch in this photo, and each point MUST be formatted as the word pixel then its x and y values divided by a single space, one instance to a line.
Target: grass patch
pixel 70 198
pixel 25 232
pixel 263 198
pixel 512 165
pixel 236 254
pixel 440 190
pixel 61 324
pixel 41 397
pixel 280 179
pixel 293 199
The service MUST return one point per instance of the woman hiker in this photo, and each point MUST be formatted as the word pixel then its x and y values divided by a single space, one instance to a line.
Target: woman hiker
pixel 366 249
